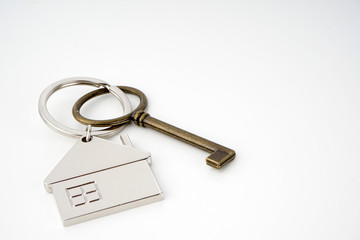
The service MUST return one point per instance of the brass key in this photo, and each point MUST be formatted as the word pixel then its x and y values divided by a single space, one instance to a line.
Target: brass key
pixel 220 155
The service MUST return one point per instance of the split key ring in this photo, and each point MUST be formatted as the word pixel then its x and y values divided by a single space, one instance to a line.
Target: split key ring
pixel 55 125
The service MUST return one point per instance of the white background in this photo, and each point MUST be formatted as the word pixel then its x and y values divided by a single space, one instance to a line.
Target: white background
pixel 278 81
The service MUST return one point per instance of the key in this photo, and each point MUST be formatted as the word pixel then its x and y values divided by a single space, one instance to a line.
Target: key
pixel 219 157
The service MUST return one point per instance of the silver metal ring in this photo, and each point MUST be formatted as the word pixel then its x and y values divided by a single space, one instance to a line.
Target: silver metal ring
pixel 55 125
pixel 88 133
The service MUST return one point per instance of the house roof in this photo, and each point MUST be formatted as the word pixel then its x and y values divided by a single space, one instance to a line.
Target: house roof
pixel 89 157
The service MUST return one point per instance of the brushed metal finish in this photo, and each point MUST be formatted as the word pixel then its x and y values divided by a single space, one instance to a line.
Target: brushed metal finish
pixel 98 178
pixel 55 125
pixel 219 157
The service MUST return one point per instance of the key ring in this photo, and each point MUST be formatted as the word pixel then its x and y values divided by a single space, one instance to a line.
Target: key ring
pixel 55 125
pixel 115 122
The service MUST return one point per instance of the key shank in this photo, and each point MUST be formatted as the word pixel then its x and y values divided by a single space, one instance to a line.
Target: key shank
pixel 220 155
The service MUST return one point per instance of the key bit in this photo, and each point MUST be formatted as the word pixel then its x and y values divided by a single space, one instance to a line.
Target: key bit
pixel 219 157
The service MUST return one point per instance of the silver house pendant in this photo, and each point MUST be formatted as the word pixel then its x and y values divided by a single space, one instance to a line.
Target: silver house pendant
pixel 99 177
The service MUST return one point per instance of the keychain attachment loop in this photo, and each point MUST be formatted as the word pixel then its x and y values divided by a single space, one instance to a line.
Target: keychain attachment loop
pixel 88 136
pixel 115 122
pixel 55 125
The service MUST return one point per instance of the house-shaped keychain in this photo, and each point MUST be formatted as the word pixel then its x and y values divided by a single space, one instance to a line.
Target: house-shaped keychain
pixel 99 177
